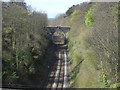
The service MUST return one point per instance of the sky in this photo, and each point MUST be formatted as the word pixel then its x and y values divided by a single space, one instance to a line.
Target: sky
pixel 53 7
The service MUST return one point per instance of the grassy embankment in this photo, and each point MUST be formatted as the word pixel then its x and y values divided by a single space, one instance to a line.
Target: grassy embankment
pixel 93 44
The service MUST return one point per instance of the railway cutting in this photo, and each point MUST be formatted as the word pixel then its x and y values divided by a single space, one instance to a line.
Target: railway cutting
pixel 58 76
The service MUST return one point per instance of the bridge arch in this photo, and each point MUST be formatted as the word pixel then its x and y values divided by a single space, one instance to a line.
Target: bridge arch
pixel 58 31
pixel 58 28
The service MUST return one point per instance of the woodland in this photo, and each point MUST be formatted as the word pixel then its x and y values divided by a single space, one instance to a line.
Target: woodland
pixel 25 41
pixel 93 44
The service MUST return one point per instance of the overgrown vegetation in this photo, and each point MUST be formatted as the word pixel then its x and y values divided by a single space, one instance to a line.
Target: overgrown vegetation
pixel 89 18
pixel 93 41
pixel 24 44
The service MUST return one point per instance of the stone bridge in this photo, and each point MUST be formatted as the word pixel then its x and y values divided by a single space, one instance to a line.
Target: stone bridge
pixel 58 28
pixel 58 39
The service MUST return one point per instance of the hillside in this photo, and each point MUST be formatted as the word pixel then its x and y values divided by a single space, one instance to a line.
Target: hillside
pixel 35 55
pixel 93 44
pixel 24 45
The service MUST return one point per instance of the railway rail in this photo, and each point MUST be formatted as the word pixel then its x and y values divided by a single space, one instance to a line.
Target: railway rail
pixel 58 76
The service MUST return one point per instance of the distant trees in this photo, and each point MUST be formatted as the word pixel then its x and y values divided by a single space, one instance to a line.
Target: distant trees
pixel 25 40
pixel 59 16
pixel 70 10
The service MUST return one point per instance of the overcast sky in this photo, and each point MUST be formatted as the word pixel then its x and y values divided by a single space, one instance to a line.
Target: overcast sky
pixel 53 7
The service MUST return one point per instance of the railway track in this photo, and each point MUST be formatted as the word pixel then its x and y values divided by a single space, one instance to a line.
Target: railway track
pixel 58 75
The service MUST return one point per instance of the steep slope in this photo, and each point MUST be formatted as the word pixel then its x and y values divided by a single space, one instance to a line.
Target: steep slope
pixel 93 44
pixel 24 44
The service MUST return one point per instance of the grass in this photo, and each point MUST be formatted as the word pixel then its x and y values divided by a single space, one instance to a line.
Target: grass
pixel 88 76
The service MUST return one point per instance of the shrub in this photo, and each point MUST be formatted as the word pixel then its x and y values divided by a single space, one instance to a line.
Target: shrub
pixel 116 85
pixel 89 18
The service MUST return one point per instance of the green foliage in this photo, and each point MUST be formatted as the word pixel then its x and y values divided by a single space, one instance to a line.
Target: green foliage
pixel 24 42
pixel 104 79
pixel 32 69
pixel 7 30
pixel 89 17
pixel 74 16
pixel 116 85
pixel 14 75
pixel 96 46
pixel 70 11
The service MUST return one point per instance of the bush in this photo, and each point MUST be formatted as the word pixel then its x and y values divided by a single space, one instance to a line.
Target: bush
pixel 116 85
pixel 89 17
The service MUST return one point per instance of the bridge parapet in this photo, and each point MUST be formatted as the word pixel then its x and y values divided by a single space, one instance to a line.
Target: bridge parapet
pixel 59 28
